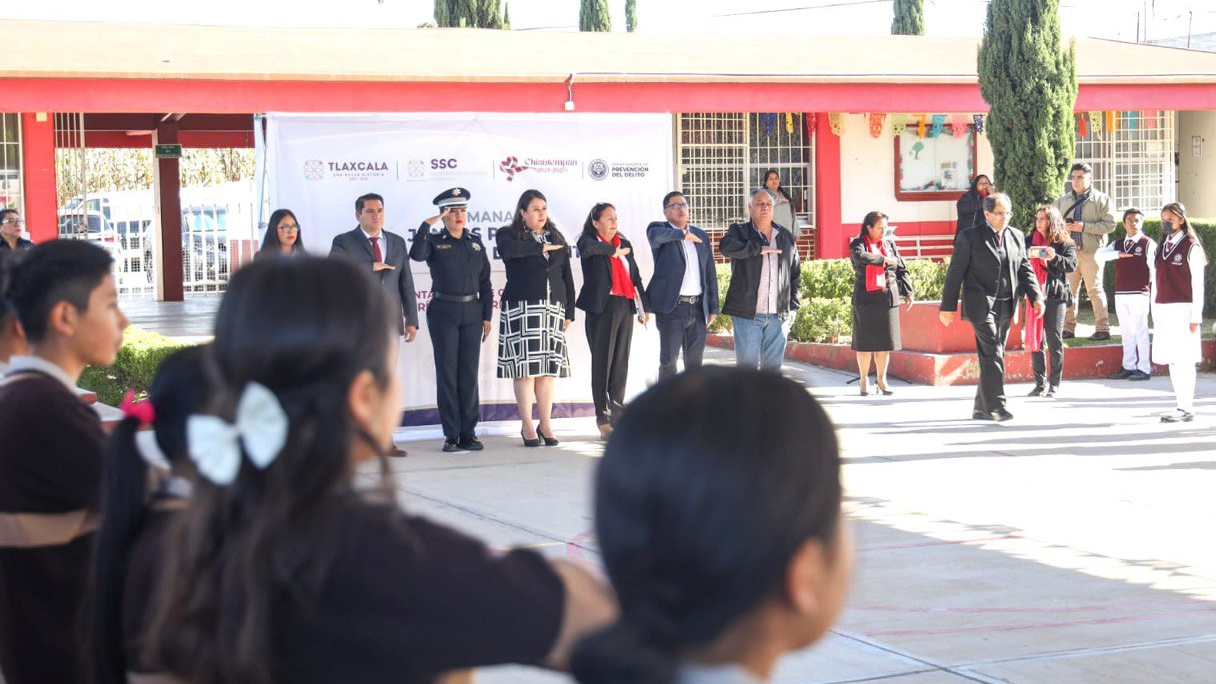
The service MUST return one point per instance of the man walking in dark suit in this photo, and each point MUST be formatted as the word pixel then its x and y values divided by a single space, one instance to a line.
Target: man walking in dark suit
pixel 990 265
pixel 684 289
pixel 370 244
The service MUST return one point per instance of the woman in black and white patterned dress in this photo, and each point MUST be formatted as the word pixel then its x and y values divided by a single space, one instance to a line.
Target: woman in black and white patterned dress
pixel 537 308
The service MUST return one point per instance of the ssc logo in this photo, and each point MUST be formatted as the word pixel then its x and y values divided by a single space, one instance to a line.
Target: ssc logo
pixel 416 168
pixel 598 169
pixel 314 170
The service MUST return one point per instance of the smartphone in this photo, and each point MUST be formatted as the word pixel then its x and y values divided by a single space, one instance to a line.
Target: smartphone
pixel 1036 252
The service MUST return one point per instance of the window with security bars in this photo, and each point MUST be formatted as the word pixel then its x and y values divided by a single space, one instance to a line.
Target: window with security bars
pixel 10 162
pixel 1134 163
pixel 722 156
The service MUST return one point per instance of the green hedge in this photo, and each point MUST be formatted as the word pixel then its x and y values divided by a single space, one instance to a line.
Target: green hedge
pixel 1205 228
pixel 141 354
pixel 827 290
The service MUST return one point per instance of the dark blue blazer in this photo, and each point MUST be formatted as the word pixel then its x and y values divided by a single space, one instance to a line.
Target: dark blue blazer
pixel 669 265
pixel 397 283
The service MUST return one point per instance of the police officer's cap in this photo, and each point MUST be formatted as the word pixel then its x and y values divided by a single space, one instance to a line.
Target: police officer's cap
pixel 454 198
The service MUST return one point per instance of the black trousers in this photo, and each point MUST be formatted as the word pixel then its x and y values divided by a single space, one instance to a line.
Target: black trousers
pixel 455 329
pixel 990 336
pixel 683 328
pixel 1053 342
pixel 610 334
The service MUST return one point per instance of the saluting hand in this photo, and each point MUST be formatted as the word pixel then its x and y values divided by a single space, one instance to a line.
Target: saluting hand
pixel 485 330
pixel 622 251
pixel 551 248
pixel 435 219
pixel 378 266
pixel 691 238
pixel 770 250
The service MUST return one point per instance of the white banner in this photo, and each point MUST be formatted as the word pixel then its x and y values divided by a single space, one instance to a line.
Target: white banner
pixel 319 163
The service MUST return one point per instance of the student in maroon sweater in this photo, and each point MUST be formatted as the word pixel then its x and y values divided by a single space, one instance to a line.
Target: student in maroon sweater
pixel 66 301
pixel 1178 307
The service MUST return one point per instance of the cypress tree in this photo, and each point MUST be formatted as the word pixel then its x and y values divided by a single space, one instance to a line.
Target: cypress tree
pixel 593 16
pixel 909 18
pixel 506 16
pixel 1030 84
pixel 469 13
pixel 631 15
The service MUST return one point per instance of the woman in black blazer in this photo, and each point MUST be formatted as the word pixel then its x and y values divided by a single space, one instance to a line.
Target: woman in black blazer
pixel 881 279
pixel 971 205
pixel 1053 255
pixel 612 287
pixel 537 308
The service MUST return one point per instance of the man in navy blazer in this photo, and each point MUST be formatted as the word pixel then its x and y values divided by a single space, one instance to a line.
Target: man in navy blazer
pixel 684 289
pixel 388 257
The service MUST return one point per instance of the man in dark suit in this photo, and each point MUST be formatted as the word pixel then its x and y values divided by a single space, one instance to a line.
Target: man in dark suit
pixel 684 289
pixel 389 259
pixel 990 265
pixel 387 255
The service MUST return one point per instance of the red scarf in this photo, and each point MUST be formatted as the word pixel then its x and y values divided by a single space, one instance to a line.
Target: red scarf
pixel 876 276
pixel 622 284
pixel 1033 330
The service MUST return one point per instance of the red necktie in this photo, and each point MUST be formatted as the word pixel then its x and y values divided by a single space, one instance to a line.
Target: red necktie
pixel 376 249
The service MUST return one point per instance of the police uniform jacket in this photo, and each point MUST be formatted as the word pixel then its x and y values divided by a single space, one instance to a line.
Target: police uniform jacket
pixel 458 266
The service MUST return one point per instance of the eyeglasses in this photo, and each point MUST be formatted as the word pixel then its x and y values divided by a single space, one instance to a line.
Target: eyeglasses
pixel 288 227
pixel 14 222
pixel 1077 177
pixel 678 205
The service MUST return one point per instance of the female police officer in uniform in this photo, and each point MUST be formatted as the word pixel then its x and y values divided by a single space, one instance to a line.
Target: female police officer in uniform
pixel 458 315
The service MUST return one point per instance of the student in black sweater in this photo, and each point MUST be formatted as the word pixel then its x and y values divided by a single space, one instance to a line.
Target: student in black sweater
pixel 280 568
pixel 66 301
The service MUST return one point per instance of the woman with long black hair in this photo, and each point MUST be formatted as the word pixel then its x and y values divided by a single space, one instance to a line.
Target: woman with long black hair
pixel 1178 307
pixel 1053 255
pixel 783 204
pixel 283 568
pixel 283 236
pixel 537 309
pixel 971 205
pixel 724 539
pixel 880 281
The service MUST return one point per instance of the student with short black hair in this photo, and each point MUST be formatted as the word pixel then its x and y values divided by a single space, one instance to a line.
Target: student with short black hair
pixel 1135 258
pixel 281 568
pixel 67 303
pixel 12 337
pixel 724 539
pixel 135 518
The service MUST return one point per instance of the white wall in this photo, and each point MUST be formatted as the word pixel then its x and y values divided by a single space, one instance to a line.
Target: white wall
pixel 1197 174
pixel 867 169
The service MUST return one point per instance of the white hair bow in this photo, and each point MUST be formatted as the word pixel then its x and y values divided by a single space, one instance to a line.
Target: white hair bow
pixel 215 444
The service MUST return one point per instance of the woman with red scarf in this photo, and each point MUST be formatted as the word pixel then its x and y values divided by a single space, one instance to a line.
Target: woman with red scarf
pixel 881 281
pixel 1053 255
pixel 611 295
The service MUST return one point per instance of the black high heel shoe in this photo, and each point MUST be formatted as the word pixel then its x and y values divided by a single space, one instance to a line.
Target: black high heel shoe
pixel 529 442
pixel 549 439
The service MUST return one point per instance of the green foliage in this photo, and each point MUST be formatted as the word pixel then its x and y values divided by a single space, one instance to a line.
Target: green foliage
pixel 469 14
pixel 631 15
pixel 822 320
pixel 928 277
pixel 827 279
pixel 141 354
pixel 506 16
pixel 909 18
pixel 593 16
pixel 722 323
pixel 102 170
pixel 1204 228
pixel 1030 83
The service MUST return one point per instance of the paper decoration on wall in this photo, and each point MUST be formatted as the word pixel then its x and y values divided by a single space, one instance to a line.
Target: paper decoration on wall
pixel 920 126
pixel 958 125
pixel 1149 118
pixel 979 122
pixel 836 123
pixel 876 124
pixel 1095 122
pixel 769 122
pixel 939 121
pixel 789 123
pixel 811 121
pixel 1083 125
pixel 1111 121
pixel 1133 120
pixel 899 124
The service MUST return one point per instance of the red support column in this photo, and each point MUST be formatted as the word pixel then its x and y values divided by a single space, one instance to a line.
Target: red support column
pixel 169 185
pixel 38 169
pixel 830 242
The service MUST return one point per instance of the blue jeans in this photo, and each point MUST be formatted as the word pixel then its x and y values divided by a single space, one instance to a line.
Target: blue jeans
pixel 760 341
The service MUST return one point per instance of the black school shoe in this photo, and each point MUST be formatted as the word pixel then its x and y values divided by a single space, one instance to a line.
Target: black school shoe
pixel 450 446
pixel 981 415
pixel 1178 416
pixel 1001 415
pixel 1139 375
pixel 471 444
pixel 1123 374
pixel 1100 336
pixel 1067 335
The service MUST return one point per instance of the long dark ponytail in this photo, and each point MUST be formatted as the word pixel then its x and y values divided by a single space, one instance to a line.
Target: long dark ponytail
pixel 698 518
pixel 181 387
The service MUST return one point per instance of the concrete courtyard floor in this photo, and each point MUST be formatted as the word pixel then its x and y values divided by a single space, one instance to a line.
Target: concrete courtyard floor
pixel 1076 543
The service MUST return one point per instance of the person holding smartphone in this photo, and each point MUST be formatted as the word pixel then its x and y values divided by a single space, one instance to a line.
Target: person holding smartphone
pixel 1053 255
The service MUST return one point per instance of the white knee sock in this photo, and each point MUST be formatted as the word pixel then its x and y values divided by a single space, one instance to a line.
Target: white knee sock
pixel 1182 376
